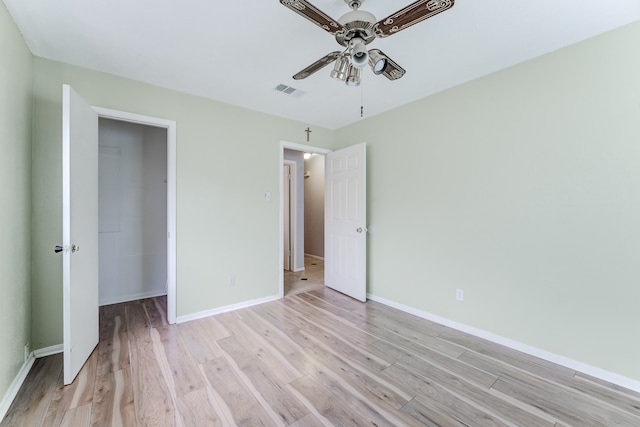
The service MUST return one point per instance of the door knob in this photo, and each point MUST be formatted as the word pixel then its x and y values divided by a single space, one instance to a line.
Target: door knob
pixel 58 249
pixel 359 229
pixel 75 248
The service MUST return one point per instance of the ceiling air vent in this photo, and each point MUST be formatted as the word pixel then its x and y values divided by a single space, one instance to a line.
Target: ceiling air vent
pixel 289 90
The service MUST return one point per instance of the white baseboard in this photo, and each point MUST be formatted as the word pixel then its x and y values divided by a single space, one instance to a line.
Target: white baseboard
pixel 314 256
pixel 298 269
pixel 132 297
pixel 575 365
pixel 48 351
pixel 207 313
pixel 12 392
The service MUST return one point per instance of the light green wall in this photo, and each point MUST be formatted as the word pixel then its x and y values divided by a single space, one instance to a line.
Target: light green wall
pixel 15 198
pixel 227 158
pixel 523 189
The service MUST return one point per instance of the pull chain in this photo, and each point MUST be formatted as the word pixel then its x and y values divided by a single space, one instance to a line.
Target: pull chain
pixel 361 100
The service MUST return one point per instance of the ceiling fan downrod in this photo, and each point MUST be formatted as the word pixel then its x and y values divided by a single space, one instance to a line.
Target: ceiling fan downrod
pixel 353 4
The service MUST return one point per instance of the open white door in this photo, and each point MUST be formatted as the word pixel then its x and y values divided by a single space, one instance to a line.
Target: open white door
pixel 79 231
pixel 345 264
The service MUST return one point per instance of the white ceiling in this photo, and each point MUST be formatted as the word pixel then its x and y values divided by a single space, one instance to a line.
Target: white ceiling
pixel 238 51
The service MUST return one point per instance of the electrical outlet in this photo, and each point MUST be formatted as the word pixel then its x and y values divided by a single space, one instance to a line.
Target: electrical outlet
pixel 459 294
pixel 27 352
pixel 232 280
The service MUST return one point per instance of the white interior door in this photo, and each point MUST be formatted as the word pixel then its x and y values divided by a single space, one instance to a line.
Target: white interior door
pixel 345 267
pixel 79 231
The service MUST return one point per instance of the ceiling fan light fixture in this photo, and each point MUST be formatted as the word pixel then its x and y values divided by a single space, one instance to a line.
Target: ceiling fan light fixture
pixel 377 61
pixel 359 53
pixel 341 69
pixel 353 79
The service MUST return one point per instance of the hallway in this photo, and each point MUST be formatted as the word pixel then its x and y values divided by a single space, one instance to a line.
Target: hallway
pixel 312 277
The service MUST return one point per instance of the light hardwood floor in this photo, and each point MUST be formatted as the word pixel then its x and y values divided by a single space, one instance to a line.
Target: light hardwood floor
pixel 311 359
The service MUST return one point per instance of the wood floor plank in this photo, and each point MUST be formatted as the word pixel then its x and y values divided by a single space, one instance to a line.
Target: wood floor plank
pixel 317 327
pixel 402 350
pixel 287 408
pixel 365 408
pixel 366 381
pixel 377 309
pixel 138 327
pixel 606 385
pixel 265 351
pixel 427 417
pixel 461 411
pixel 572 409
pixel 617 396
pixel 194 334
pixel 442 386
pixel 430 413
pixel 344 348
pixel 324 318
pixel 217 403
pixel 184 369
pixel 338 313
pixel 152 398
pixel 287 320
pixel 340 300
pixel 325 404
pixel 575 407
pixel 371 397
pixel 109 312
pixel 113 348
pixel 273 335
pixel 30 406
pixel 308 421
pixel 52 420
pixel 229 316
pixel 314 318
pixel 113 400
pixel 196 411
pixel 79 392
pixel 506 354
pixel 243 406
pixel 77 417
pixel 156 313
pixel 374 325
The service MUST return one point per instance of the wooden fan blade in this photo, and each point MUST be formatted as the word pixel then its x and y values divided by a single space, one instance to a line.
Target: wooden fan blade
pixel 412 14
pixel 314 15
pixel 392 71
pixel 320 63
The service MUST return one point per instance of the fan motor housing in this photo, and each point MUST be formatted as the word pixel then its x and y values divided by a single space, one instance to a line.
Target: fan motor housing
pixel 357 23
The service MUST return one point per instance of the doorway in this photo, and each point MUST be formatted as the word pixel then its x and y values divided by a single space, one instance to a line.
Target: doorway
pixel 289 207
pixel 132 212
pixel 302 218
pixel 345 218
pixel 168 129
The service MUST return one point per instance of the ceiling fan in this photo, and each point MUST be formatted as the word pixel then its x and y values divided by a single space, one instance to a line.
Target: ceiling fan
pixel 356 29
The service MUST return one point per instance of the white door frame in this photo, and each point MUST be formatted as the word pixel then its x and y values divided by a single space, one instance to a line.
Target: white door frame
pixel 293 212
pixel 170 126
pixel 297 147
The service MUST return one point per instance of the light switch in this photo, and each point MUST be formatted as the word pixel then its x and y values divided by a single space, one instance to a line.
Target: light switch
pixel 267 196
